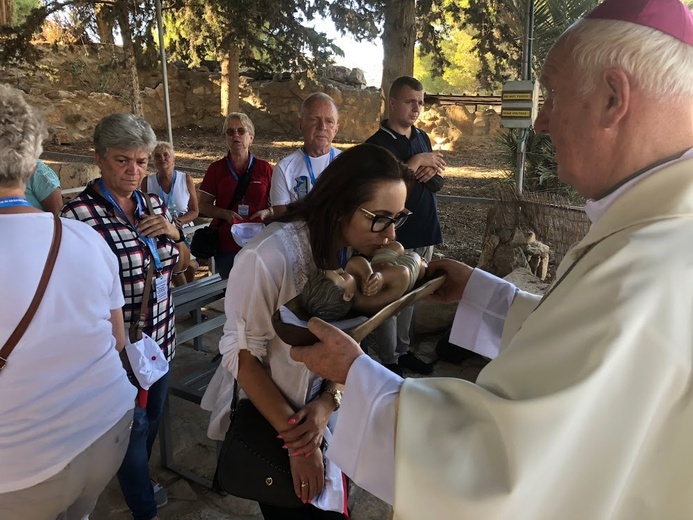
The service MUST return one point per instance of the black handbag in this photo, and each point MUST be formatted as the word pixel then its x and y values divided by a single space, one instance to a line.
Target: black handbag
pixel 252 463
pixel 205 241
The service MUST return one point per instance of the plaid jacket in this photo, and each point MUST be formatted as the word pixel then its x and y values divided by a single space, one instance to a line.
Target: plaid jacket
pixel 134 257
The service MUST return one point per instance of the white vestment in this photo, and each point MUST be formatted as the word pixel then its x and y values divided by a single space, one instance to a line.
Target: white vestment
pixel 587 412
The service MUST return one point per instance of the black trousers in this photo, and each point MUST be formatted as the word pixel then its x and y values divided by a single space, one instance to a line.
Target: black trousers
pixel 307 512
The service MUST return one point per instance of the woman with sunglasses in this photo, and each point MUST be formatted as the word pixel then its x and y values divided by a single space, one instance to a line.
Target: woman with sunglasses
pixel 351 208
pixel 235 188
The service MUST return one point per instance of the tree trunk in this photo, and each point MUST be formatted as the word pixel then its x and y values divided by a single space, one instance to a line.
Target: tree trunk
pixel 104 24
pixel 6 12
pixel 399 36
pixel 230 71
pixel 130 63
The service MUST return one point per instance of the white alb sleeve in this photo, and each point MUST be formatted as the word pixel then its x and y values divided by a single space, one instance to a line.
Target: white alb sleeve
pixel 363 445
pixel 480 317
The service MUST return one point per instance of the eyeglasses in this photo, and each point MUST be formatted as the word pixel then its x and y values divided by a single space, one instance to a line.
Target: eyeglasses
pixel 232 131
pixel 380 223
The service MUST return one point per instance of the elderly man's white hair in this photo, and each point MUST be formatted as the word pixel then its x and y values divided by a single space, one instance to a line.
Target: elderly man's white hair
pixel 22 131
pixel 658 63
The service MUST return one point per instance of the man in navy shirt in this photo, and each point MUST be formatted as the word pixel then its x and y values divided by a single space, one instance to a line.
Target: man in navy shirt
pixel 421 231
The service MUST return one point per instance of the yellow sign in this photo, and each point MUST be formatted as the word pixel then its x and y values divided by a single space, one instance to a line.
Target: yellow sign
pixel 517 96
pixel 516 113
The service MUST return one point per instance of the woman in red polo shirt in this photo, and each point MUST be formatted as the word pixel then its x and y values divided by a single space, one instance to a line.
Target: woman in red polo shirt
pixel 235 188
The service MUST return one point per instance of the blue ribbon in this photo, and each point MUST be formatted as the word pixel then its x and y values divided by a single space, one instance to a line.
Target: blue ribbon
pixel 161 189
pixel 310 164
pixel 150 242
pixel 12 202
pixel 233 172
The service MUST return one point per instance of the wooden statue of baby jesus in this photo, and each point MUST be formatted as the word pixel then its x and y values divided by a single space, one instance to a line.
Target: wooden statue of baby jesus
pixel 363 286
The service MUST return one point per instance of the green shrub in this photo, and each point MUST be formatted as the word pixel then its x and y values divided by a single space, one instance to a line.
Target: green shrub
pixel 540 163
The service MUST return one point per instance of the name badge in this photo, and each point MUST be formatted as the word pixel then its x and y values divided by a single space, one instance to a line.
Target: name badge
pixel 161 288
pixel 314 390
pixel 243 210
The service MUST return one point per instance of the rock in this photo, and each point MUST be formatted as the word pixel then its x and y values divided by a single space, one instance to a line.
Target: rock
pixel 75 175
pixel 433 317
pixel 59 94
pixel 526 281
pixel 181 490
pixel 357 78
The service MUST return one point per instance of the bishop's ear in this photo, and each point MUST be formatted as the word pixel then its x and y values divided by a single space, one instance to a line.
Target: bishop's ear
pixel 616 90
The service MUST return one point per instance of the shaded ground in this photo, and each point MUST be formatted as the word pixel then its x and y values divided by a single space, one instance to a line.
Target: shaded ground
pixel 473 171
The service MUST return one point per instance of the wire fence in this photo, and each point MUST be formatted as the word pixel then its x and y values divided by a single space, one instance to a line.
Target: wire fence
pixel 552 218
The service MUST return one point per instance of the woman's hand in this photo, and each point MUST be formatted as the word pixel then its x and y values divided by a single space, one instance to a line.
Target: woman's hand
pixel 305 429
pixel 231 216
pixel 372 285
pixel 263 214
pixel 308 474
pixel 155 225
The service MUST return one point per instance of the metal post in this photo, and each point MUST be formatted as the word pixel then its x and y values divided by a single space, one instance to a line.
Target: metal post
pixel 526 75
pixel 164 72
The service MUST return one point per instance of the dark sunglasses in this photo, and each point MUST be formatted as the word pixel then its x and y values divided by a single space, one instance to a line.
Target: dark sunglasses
pixel 380 223
pixel 240 131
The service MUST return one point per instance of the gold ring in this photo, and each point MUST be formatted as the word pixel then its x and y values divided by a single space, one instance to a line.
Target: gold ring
pixel 304 483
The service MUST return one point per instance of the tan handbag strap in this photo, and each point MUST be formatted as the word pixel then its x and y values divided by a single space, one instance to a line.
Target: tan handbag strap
pixel 38 296
pixel 136 327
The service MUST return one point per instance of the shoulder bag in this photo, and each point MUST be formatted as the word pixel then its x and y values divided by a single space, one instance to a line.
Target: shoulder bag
pixel 252 463
pixel 146 359
pixel 19 331
pixel 205 241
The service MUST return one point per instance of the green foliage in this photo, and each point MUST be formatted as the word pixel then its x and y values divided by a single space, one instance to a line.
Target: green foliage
pixel 460 76
pixel 540 164
pixel 270 34
pixel 499 29
pixel 22 8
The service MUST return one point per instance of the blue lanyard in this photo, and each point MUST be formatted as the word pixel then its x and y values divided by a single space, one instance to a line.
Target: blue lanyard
pixel 342 257
pixel 310 164
pixel 161 189
pixel 233 172
pixel 151 242
pixel 11 202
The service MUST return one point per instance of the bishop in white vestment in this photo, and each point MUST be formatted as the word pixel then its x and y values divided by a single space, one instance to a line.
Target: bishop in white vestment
pixel 586 412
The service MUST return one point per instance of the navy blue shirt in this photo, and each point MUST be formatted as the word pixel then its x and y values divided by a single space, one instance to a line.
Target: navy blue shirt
pixel 422 228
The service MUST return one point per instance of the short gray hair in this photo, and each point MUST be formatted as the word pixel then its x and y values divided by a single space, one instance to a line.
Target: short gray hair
pixel 123 131
pixel 316 97
pixel 244 119
pixel 659 63
pixel 164 145
pixel 22 131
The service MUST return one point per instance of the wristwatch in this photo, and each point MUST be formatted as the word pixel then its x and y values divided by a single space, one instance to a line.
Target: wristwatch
pixel 336 396
pixel 181 236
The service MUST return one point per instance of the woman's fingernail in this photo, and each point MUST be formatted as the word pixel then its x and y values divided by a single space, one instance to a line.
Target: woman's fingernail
pixel 285 447
pixel 295 454
pixel 292 421
pixel 308 454
pixel 279 437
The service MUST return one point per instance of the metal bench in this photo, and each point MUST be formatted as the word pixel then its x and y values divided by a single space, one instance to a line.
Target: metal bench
pixel 189 383
pixel 191 298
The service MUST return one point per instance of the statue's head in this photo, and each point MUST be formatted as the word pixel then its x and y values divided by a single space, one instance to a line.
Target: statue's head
pixel 329 294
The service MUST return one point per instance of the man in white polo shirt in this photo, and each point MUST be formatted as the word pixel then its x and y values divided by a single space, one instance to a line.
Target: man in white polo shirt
pixel 295 175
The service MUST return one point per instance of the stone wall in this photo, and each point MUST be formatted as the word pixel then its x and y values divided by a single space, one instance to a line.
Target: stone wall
pixel 77 86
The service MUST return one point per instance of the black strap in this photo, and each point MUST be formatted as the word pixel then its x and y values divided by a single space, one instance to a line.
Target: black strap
pixel 242 186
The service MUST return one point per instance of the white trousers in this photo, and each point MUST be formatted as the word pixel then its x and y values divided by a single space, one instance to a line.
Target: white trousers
pixel 72 493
